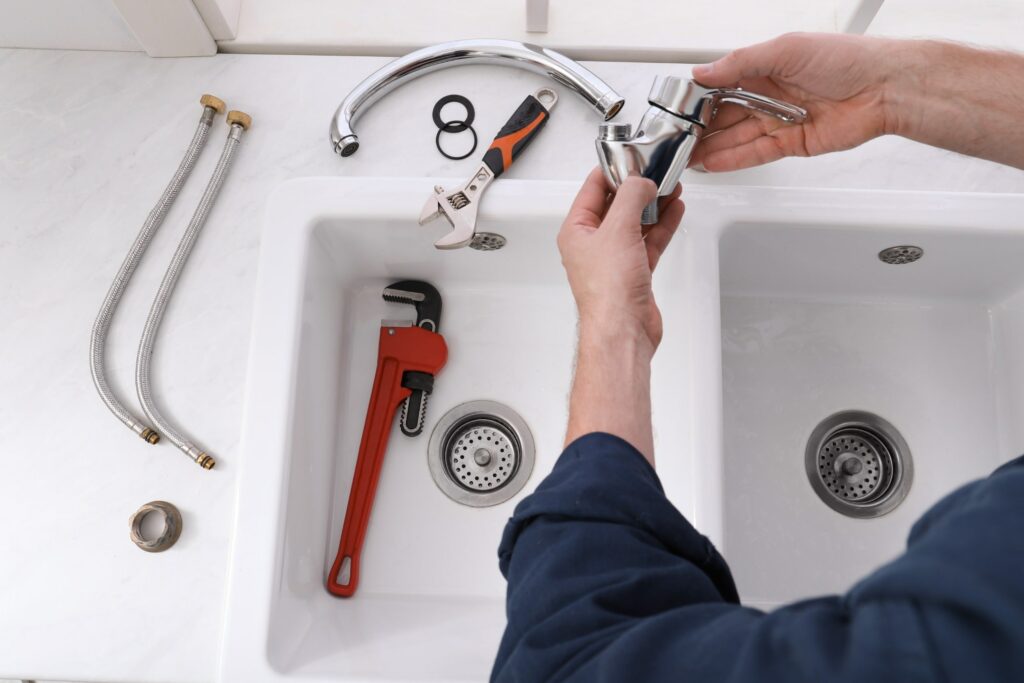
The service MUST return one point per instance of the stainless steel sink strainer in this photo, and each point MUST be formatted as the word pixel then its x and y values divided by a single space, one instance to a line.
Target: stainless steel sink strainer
pixel 487 241
pixel 481 453
pixel 858 464
pixel 900 255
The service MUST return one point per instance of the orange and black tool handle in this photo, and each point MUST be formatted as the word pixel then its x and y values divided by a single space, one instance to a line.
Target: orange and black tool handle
pixel 516 135
pixel 400 350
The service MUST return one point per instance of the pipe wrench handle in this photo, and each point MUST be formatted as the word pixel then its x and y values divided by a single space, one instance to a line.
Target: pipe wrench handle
pixel 400 350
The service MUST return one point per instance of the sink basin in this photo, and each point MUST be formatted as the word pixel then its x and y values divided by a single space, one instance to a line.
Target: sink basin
pixel 430 602
pixel 813 323
pixel 777 314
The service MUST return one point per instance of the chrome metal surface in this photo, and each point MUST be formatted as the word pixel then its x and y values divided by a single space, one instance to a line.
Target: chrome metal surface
pixel 482 456
pixel 101 327
pixel 168 535
pixel 458 207
pixel 649 216
pixel 900 255
pixel 481 453
pixel 534 58
pixel 143 370
pixel 487 241
pixel 691 100
pixel 670 130
pixel 858 464
pixel 547 97
pixel 615 131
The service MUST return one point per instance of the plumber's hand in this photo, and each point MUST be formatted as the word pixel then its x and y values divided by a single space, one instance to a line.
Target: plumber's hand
pixel 609 258
pixel 840 79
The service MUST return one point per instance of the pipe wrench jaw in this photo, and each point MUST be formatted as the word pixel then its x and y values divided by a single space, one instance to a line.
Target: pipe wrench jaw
pixel 422 296
pixel 425 298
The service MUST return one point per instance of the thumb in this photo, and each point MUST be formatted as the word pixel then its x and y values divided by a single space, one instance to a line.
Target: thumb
pixel 629 202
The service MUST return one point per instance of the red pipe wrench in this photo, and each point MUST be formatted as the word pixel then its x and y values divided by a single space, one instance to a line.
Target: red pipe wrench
pixel 408 357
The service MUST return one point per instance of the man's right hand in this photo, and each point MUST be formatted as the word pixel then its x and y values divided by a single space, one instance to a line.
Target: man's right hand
pixel 839 79
pixel 856 88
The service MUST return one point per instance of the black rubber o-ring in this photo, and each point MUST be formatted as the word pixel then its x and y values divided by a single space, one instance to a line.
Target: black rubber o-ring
pixel 459 125
pixel 445 129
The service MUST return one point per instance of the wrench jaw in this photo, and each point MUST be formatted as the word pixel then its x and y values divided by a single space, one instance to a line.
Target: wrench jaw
pixel 425 298
pixel 459 208
pixel 459 236
pixel 432 207
pixel 462 221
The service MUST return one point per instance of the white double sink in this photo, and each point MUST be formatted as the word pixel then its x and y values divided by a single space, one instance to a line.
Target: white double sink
pixel 777 314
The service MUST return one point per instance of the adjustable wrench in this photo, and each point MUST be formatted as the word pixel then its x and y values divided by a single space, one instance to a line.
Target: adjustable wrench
pixel 408 356
pixel 459 207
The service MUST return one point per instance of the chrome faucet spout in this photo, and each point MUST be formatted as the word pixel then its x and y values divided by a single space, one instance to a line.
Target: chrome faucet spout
pixel 534 58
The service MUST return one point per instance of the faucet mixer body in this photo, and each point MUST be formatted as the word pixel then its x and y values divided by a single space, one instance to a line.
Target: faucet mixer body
pixel 670 129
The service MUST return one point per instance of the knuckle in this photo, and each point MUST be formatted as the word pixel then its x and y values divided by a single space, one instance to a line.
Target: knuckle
pixel 791 38
pixel 794 42
pixel 737 56
pixel 564 245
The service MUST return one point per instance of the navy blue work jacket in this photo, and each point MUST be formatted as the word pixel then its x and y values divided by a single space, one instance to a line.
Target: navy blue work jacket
pixel 608 583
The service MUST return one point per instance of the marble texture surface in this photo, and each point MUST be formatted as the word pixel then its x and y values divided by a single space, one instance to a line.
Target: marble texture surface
pixel 87 143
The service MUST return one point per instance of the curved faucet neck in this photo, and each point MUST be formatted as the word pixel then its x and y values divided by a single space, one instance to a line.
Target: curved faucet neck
pixel 540 60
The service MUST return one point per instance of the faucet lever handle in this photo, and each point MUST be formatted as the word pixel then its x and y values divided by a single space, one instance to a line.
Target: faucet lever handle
pixel 790 113
pixel 698 103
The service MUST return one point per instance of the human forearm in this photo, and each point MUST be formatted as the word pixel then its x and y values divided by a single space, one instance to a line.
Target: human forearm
pixel 609 260
pixel 958 98
pixel 611 391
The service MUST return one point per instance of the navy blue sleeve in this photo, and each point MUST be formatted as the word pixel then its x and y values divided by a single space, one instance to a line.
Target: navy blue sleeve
pixel 607 582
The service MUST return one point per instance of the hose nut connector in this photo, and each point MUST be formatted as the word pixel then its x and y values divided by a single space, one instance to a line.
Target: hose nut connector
pixel 150 435
pixel 239 117
pixel 214 103
pixel 206 461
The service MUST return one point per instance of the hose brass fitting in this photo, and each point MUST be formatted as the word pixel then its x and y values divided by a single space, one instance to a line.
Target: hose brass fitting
pixel 239 117
pixel 214 103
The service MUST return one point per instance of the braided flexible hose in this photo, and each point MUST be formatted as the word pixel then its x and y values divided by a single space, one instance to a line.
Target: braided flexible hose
pixel 101 327
pixel 239 122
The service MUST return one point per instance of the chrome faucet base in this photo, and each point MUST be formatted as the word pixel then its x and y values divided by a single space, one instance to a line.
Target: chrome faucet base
pixel 669 131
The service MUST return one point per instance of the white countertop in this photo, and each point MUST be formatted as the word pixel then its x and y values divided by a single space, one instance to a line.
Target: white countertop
pixel 87 143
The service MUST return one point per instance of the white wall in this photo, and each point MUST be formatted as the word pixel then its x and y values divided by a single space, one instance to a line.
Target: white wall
pixel 651 30
pixel 657 30
pixel 68 24
pixel 994 23
pixel 664 30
